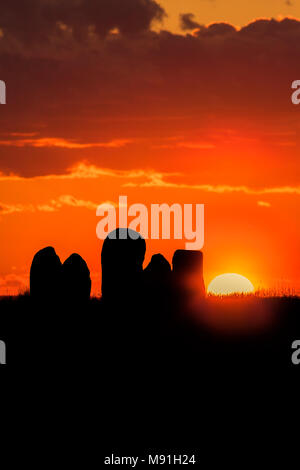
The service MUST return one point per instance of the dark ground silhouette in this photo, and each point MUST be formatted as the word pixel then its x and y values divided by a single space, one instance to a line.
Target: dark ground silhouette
pixel 159 353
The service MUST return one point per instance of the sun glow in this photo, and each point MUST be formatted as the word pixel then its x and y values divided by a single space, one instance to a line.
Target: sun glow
pixel 230 283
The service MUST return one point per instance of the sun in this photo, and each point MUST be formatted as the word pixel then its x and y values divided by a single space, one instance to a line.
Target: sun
pixel 230 283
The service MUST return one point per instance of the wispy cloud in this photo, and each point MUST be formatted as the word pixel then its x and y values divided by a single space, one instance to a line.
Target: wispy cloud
pixel 68 200
pixel 10 177
pixel 22 134
pixel 86 171
pixel 150 178
pixel 263 204
pixel 157 180
pixel 54 205
pixel 40 142
pixel 188 145
pixel 15 208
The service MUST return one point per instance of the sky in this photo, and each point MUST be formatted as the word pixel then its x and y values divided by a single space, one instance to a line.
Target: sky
pixel 236 12
pixel 109 97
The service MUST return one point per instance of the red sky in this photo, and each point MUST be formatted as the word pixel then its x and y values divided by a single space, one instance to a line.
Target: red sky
pixel 204 114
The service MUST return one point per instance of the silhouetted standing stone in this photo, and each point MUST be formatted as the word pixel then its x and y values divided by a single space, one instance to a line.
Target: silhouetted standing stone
pixel 158 280
pixel 158 285
pixel 45 275
pixel 188 272
pixel 158 268
pixel 122 260
pixel 76 280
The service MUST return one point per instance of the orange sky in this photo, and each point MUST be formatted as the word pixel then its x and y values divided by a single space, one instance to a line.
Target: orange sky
pixel 237 12
pixel 204 116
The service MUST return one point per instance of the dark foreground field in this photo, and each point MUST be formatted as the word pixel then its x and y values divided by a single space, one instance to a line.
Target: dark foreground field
pixel 234 331
pixel 155 377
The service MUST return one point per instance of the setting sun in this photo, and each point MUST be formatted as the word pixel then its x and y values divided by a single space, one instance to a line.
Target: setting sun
pixel 230 283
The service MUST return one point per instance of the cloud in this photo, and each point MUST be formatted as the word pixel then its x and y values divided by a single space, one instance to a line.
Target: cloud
pixel 144 179
pixel 216 29
pixel 188 145
pixel 263 204
pixel 54 205
pixel 10 177
pixel 63 143
pixel 115 84
pixel 43 21
pixel 6 209
pixel 71 201
pixel 187 22
pixel 157 180
pixel 83 170
pixel 23 134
